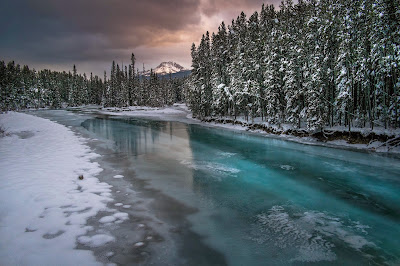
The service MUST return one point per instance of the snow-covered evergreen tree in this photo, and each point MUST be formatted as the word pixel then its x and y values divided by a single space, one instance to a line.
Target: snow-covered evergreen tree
pixel 324 62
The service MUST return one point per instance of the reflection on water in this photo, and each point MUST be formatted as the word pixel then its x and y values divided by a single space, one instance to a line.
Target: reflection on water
pixel 147 141
pixel 264 201
pixel 269 200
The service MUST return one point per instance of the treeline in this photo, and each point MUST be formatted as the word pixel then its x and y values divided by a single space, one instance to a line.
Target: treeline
pixel 22 88
pixel 127 87
pixel 316 63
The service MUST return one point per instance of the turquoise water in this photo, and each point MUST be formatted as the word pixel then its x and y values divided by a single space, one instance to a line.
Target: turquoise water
pixel 264 201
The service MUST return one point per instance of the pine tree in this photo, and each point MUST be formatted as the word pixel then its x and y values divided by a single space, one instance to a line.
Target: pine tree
pixel 132 81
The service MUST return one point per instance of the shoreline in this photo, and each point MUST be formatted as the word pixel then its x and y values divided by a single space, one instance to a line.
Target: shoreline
pixel 360 139
pixel 50 166
pixel 151 212
pixel 373 142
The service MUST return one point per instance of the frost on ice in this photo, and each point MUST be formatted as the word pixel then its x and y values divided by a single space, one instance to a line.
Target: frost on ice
pixel 309 233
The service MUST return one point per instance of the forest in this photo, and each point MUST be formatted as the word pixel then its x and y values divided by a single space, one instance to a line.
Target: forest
pixel 313 64
pixel 22 88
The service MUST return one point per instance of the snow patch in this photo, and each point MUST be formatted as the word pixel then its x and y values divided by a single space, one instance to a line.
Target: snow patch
pixel 121 215
pixel 96 240
pixel 287 167
pixel 109 254
pixel 139 244
pixel 107 219
pixel 143 111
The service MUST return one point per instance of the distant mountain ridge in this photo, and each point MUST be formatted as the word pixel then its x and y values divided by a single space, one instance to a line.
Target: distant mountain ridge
pixel 166 68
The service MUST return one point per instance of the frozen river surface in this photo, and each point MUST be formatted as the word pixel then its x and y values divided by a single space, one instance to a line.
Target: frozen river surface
pixel 210 196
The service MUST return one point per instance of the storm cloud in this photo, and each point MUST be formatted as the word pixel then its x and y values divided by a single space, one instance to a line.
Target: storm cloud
pixel 92 33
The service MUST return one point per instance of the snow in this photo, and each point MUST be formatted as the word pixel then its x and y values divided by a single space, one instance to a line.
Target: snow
pixel 107 219
pixel 118 176
pixel 166 68
pixel 180 112
pixel 116 217
pixel 139 244
pixel 287 167
pixel 109 254
pixel 96 240
pixel 376 146
pixel 44 207
pixel 143 111
pixel 121 215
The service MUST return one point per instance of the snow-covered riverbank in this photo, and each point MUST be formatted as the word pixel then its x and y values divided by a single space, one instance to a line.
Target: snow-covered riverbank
pixel 379 140
pixel 44 206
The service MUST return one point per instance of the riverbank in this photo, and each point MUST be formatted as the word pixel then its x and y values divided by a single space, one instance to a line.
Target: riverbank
pixel 149 227
pixel 378 140
pixel 49 192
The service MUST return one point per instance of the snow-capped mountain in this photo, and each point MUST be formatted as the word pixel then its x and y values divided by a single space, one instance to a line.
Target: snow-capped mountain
pixel 166 68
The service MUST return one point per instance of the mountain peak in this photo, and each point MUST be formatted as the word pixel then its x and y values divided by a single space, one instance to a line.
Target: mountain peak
pixel 166 68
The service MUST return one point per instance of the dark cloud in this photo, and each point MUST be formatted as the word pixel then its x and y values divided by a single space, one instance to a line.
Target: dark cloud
pixel 90 30
pixel 114 20
pixel 60 33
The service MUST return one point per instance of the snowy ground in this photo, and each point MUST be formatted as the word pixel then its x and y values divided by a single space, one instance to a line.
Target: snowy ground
pixel 180 112
pixel 44 206
pixel 145 111
pixel 376 146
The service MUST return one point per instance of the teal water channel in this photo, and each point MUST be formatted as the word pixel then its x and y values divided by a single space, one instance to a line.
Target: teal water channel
pixel 265 201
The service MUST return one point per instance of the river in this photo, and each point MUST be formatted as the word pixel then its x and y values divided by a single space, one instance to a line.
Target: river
pixel 210 196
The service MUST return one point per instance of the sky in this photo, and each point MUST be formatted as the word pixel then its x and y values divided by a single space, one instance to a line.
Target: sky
pixel 57 34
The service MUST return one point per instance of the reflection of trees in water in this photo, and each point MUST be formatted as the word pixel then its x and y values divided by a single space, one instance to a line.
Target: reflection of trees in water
pixel 130 136
pixel 164 143
pixel 136 136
